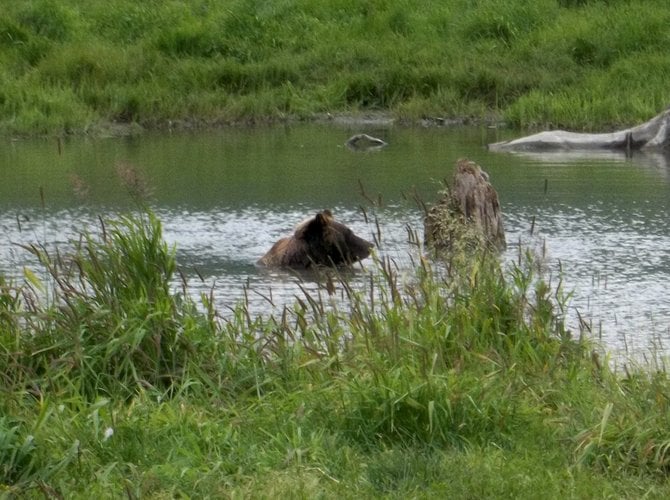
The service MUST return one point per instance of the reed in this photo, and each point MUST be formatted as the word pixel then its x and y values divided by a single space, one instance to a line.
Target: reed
pixel 456 379
pixel 111 323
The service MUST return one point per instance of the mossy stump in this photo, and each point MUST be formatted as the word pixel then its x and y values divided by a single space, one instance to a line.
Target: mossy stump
pixel 467 216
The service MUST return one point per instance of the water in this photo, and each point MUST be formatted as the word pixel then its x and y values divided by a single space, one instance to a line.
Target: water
pixel 225 196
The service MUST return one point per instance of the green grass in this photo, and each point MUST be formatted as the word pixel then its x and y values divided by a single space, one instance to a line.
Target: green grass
pixel 73 67
pixel 458 381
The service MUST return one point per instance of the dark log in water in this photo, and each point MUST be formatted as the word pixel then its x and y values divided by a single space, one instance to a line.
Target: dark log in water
pixel 468 214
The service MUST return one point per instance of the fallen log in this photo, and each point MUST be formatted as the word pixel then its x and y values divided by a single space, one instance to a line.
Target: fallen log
pixel 365 142
pixel 651 135
pixel 468 215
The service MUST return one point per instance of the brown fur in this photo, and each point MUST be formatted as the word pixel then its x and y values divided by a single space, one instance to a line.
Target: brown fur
pixel 317 241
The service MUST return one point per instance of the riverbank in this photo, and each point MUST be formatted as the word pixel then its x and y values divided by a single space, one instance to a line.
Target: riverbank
pixel 73 68
pixel 359 119
pixel 455 383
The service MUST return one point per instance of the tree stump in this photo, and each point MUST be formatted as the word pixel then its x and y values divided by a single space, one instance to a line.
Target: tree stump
pixel 468 216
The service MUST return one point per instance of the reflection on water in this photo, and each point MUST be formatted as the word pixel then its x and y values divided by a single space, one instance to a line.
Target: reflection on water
pixel 224 197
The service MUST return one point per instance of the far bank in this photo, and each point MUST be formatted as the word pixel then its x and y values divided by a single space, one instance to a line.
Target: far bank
pixel 83 68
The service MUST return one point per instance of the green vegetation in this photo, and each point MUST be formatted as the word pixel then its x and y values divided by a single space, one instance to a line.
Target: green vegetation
pixel 78 66
pixel 458 381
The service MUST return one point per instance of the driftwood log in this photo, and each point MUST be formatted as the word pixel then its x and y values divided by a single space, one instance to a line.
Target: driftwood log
pixel 653 135
pixel 365 142
pixel 468 215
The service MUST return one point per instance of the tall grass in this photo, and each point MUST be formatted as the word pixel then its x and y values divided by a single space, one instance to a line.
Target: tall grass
pixel 112 325
pixel 455 380
pixel 72 67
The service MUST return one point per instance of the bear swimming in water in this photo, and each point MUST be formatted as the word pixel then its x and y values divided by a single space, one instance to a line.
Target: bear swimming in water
pixel 318 241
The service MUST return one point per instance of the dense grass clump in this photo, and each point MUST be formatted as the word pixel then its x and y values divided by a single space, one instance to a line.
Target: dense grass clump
pixel 112 324
pixel 455 380
pixel 76 67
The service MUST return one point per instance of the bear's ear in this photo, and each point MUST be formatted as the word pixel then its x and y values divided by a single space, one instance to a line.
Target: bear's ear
pixel 324 218
pixel 313 225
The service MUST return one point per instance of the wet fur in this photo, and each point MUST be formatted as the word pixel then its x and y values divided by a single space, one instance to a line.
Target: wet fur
pixel 317 241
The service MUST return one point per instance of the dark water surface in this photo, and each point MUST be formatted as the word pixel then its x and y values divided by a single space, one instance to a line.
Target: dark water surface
pixel 225 196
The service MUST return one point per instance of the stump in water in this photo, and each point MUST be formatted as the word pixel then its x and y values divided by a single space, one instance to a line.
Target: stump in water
pixel 468 214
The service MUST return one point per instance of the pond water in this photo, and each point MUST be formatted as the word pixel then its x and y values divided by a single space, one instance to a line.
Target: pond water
pixel 225 196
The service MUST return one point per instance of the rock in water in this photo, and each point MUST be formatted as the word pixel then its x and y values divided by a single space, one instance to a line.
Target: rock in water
pixel 468 215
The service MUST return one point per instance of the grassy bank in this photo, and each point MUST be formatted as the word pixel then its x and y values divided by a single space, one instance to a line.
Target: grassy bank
pixel 78 66
pixel 459 381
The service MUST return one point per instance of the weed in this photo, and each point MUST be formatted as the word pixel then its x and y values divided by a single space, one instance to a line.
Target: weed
pixel 121 383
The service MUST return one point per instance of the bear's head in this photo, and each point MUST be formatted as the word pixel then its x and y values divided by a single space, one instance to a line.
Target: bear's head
pixel 318 241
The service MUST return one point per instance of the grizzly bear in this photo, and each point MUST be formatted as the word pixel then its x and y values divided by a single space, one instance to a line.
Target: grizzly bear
pixel 318 241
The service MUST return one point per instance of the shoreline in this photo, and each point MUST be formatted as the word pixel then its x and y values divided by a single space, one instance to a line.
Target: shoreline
pixel 381 119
